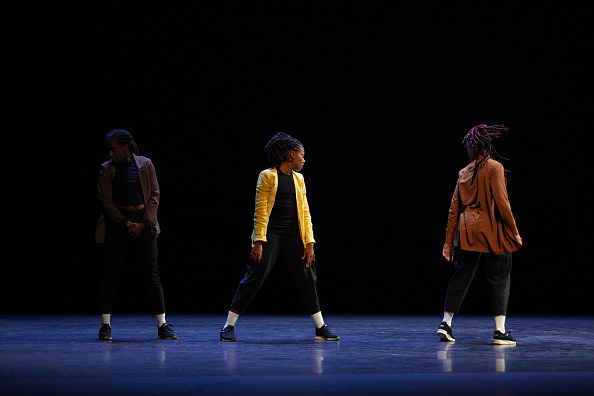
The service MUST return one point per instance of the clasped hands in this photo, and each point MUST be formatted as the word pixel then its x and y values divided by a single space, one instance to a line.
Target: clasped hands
pixel 134 229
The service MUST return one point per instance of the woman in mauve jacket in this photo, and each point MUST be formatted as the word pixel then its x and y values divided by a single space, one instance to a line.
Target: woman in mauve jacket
pixel 128 227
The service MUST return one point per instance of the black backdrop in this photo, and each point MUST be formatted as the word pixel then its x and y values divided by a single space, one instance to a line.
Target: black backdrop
pixel 381 96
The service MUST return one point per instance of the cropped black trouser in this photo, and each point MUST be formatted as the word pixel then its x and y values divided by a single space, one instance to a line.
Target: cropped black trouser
pixel 118 247
pixel 286 245
pixel 497 270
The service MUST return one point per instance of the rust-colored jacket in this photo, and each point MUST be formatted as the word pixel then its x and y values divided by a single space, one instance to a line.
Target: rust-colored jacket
pixel 480 218
pixel 150 192
pixel 265 197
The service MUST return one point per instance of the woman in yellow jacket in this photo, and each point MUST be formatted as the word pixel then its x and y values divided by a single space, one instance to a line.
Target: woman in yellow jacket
pixel 282 228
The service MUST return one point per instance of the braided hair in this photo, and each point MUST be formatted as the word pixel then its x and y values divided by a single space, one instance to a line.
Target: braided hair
pixel 279 146
pixel 480 138
pixel 122 137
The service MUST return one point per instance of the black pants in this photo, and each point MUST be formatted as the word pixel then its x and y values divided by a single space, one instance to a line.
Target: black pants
pixel 289 247
pixel 497 270
pixel 118 247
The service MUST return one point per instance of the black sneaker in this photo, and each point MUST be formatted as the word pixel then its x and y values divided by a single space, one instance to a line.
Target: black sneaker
pixel 105 332
pixel 166 332
pixel 445 332
pixel 324 333
pixel 228 334
pixel 503 338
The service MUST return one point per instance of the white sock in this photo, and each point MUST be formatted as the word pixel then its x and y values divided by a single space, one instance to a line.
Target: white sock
pixel 160 319
pixel 106 318
pixel 500 323
pixel 447 317
pixel 231 319
pixel 318 320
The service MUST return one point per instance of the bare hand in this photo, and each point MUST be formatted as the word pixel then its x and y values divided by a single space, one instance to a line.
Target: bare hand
pixel 256 253
pixel 309 255
pixel 448 251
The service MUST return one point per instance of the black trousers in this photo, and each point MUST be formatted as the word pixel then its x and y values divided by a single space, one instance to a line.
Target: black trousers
pixel 118 247
pixel 289 247
pixel 497 270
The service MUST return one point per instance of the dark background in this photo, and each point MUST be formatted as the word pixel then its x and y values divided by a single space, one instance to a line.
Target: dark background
pixel 380 94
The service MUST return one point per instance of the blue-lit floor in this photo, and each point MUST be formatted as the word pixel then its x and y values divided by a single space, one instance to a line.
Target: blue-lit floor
pixel 278 355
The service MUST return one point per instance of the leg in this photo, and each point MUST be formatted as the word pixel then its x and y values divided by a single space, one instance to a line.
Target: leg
pixel 304 278
pixel 115 248
pixel 497 272
pixel 115 253
pixel 146 254
pixel 466 265
pixel 255 275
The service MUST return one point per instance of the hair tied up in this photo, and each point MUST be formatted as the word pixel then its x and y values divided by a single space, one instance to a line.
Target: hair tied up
pixel 122 137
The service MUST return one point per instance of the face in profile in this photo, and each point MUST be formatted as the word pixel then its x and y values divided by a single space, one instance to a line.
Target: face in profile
pixel 298 159
pixel 117 153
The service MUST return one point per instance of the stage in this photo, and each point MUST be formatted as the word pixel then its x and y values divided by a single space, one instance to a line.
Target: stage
pixel 278 355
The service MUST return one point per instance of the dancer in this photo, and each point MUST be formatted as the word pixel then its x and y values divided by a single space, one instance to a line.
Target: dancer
pixel 482 231
pixel 282 228
pixel 128 226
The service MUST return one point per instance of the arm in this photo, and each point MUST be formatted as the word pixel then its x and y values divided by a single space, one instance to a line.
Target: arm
pixel 263 188
pixel 309 238
pixel 105 196
pixel 308 254
pixel 151 207
pixel 453 220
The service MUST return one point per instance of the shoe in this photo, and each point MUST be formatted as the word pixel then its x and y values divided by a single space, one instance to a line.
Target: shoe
pixel 503 338
pixel 324 333
pixel 166 332
pixel 445 332
pixel 105 332
pixel 228 334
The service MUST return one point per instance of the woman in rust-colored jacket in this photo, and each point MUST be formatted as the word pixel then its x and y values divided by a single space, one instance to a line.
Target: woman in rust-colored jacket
pixel 481 230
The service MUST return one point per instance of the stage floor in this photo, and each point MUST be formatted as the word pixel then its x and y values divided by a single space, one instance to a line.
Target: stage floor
pixel 278 355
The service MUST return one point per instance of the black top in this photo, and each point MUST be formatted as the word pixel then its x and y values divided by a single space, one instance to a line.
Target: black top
pixel 126 188
pixel 284 212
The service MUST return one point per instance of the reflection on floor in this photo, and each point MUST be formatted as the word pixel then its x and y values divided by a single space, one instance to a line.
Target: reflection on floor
pixel 278 355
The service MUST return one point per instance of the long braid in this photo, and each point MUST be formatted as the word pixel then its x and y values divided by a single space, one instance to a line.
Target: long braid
pixel 481 138
pixel 279 146
pixel 122 137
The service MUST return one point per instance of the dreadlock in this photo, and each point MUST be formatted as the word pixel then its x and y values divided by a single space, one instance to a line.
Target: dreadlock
pixel 481 138
pixel 122 137
pixel 279 146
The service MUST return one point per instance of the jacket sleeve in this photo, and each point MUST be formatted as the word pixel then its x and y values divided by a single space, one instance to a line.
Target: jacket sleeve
pixel 453 217
pixel 152 204
pixel 263 188
pixel 499 190
pixel 309 238
pixel 105 196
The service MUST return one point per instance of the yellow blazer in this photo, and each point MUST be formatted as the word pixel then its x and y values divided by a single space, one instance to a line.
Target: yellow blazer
pixel 265 196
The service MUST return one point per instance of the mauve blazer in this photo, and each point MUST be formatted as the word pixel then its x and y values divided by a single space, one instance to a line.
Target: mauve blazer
pixel 150 192
pixel 480 217
pixel 265 197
